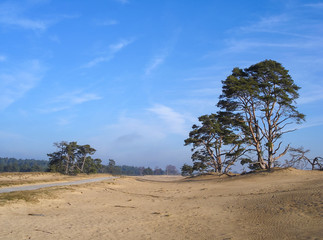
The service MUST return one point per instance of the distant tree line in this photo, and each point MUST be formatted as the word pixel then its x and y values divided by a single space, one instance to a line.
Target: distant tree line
pixel 72 158
pixel 22 165
pixel 112 168
pixel 32 165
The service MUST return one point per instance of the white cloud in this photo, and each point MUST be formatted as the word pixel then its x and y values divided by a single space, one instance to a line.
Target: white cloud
pixel 15 84
pixel 85 97
pixel 311 96
pixel 69 100
pixel 142 140
pixel 3 58
pixel 310 122
pixel 207 91
pixel 137 128
pixel 122 1
pixel 175 122
pixel 119 45
pixel 283 31
pixel 281 24
pixel 11 14
pixel 96 61
pixel 16 15
pixel 247 44
pixel 10 135
pixel 55 38
pixel 65 120
pixel 265 24
pixel 314 5
pixel 107 56
pixel 158 60
pixel 25 23
pixel 109 22
pixel 129 138
pixel 199 78
pixel 157 125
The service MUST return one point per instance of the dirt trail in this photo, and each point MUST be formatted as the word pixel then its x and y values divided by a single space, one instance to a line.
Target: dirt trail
pixel 286 204
pixel 45 185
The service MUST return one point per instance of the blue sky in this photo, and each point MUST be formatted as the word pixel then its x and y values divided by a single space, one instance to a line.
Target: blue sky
pixel 130 77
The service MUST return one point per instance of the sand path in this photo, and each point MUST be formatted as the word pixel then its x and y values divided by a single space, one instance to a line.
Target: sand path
pixel 46 185
pixel 283 205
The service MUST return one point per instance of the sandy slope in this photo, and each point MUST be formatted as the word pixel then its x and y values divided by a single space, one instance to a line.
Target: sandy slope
pixel 285 204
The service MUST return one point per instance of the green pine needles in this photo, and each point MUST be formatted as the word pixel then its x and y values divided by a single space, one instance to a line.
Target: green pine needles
pixel 256 106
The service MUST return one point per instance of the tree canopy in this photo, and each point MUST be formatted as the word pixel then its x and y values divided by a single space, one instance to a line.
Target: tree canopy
pixel 256 106
pixel 263 95
pixel 208 140
pixel 71 158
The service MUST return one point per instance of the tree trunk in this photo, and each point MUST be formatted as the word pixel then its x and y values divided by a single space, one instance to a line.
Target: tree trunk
pixel 83 163
pixel 67 163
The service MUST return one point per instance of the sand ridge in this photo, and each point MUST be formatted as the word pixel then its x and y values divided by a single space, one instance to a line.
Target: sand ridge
pixel 285 204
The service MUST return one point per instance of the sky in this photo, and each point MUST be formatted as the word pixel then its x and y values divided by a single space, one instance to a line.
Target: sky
pixel 131 77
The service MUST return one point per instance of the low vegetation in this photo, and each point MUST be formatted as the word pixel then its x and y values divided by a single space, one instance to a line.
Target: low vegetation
pixel 32 196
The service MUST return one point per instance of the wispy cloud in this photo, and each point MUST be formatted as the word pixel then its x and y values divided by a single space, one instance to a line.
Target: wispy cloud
pixel 69 100
pixel 144 138
pixel 128 129
pixel 10 135
pixel 77 98
pixel 97 60
pixel 3 58
pixel 156 61
pixel 108 22
pixel 315 5
pixel 12 15
pixel 16 15
pixel 199 78
pixel 240 45
pixel 65 120
pixel 160 122
pixel 54 38
pixel 266 24
pixel 109 54
pixel 310 122
pixel 281 31
pixel 159 58
pixel 129 138
pixel 16 83
pixel 310 96
pixel 207 91
pixel 175 121
pixel 122 1
pixel 278 24
pixel 114 48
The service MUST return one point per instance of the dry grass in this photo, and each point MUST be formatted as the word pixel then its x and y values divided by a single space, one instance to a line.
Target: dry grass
pixel 14 179
pixel 33 196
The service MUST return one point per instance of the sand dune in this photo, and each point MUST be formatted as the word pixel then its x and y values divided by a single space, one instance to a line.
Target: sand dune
pixel 285 204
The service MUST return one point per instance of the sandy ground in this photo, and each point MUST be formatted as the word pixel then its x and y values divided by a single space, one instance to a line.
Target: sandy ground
pixel 54 184
pixel 285 204
pixel 14 179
